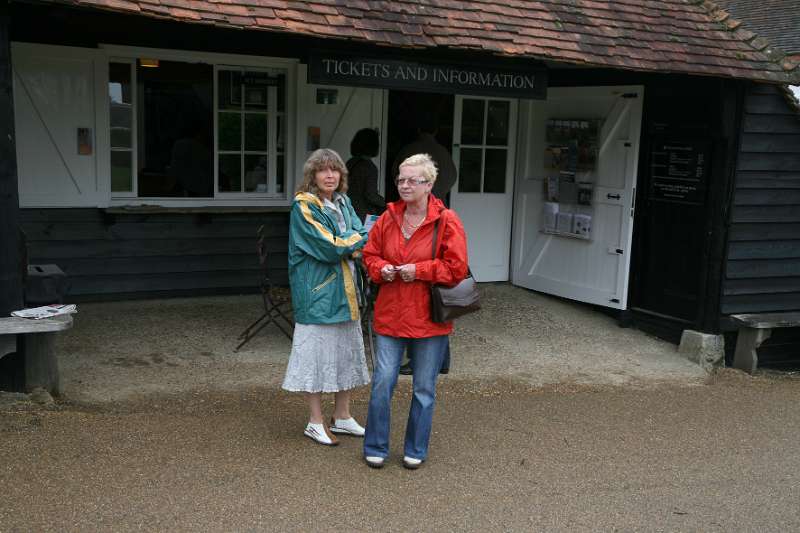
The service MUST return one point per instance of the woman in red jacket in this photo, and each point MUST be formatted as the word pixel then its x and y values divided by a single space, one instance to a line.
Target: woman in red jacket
pixel 399 257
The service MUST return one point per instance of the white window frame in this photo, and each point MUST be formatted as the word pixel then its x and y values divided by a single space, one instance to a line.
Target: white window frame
pixel 116 54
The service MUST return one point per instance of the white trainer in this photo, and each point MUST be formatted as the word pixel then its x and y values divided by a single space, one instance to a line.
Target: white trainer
pixel 319 433
pixel 411 463
pixel 374 462
pixel 347 426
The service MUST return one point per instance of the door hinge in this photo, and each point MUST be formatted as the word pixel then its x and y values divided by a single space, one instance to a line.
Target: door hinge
pixel 616 251
pixel 628 145
pixel 630 95
pixel 615 300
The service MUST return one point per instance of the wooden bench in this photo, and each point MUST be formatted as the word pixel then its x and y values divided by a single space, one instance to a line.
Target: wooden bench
pixel 755 329
pixel 36 339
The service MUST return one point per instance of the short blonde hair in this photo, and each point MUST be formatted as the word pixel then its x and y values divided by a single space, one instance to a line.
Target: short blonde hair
pixel 425 162
pixel 320 160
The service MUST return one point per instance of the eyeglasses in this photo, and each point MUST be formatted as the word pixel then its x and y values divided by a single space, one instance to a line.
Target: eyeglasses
pixel 411 181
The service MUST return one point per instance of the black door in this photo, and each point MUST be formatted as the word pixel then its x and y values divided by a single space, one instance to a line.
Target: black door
pixel 671 228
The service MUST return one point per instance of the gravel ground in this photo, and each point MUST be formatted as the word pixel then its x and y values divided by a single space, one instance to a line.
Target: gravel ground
pixel 552 419
pixel 125 349
pixel 721 456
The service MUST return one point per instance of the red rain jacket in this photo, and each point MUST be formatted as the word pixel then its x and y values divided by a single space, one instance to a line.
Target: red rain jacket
pixel 403 309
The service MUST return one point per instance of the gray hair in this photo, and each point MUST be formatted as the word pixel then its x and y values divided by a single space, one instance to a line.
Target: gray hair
pixel 425 162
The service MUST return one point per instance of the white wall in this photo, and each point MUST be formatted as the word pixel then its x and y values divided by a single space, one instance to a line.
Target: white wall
pixel 355 108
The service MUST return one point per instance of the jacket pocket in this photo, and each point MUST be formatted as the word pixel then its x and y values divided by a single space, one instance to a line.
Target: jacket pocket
pixel 325 283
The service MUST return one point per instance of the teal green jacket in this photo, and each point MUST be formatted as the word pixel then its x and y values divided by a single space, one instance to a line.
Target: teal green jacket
pixel 323 288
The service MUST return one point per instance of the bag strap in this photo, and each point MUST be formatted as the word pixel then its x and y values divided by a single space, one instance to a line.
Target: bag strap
pixel 436 233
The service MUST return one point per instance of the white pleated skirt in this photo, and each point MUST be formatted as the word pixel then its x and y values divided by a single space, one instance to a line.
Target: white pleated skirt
pixel 326 358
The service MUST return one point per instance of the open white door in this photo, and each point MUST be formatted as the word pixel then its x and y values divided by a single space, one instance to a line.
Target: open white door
pixel 484 134
pixel 593 270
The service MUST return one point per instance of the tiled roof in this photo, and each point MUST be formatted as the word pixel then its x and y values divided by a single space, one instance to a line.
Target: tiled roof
pixel 776 20
pixel 686 36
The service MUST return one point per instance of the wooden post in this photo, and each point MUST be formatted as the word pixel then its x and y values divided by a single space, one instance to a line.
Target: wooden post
pixel 10 268
pixel 12 365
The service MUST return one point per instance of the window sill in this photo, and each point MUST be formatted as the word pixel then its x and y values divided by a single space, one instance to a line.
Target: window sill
pixel 157 210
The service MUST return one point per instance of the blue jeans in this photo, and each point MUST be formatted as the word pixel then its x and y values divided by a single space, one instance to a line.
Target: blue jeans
pixel 427 355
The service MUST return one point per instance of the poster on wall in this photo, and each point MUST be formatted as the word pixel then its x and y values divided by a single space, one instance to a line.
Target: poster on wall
pixel 571 145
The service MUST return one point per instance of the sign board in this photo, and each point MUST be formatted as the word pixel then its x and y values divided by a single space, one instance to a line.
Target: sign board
pixel 679 171
pixel 516 82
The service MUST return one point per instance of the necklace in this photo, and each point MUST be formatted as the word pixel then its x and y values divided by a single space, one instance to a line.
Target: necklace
pixel 407 221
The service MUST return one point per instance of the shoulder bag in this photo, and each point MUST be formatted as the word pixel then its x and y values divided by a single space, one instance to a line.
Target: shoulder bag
pixel 449 303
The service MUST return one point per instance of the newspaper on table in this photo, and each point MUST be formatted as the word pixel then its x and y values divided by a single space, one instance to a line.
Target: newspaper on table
pixel 46 311
pixel 369 221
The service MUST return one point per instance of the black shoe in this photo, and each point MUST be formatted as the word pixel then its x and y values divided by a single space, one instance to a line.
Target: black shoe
pixel 444 370
pixel 406 369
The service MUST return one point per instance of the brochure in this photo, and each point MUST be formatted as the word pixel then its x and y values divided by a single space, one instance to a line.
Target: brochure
pixel 46 311
pixel 369 221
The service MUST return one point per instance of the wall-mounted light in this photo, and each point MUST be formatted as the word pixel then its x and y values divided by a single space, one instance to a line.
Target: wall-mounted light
pixel 148 63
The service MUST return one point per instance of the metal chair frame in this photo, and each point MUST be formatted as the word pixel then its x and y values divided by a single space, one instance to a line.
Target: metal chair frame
pixel 276 310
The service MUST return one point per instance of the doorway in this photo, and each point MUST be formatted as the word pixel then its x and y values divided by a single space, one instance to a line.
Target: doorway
pixel 407 109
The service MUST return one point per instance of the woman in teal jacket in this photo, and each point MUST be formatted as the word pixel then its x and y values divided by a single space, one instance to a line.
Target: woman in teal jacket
pixel 328 346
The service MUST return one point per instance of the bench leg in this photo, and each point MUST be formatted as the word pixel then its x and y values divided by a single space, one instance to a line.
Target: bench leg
pixel 41 366
pixel 745 357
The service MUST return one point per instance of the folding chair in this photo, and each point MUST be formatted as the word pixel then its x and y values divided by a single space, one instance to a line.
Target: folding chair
pixel 277 309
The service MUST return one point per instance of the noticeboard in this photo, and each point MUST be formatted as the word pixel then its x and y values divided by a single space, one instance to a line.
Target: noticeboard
pixel 679 170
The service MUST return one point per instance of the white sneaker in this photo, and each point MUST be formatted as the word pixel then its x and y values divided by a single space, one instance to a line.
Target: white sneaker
pixel 374 462
pixel 411 463
pixel 319 433
pixel 347 426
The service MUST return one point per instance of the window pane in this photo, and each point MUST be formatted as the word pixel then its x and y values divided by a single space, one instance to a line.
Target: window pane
pixel 119 83
pixel 230 173
pixel 497 124
pixel 280 135
pixel 281 92
pixel 472 122
pixel 120 107
pixel 121 172
pixel 256 90
pixel 120 127
pixel 280 171
pixel 175 130
pixel 255 173
pixel 494 179
pixel 229 131
pixel 229 87
pixel 469 170
pixel 255 132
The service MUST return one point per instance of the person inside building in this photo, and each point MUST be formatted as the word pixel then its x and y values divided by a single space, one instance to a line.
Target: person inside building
pixel 362 179
pixel 426 143
pixel 328 347
pixel 400 258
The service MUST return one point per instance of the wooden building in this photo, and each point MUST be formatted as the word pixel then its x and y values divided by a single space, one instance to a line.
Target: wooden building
pixel 638 156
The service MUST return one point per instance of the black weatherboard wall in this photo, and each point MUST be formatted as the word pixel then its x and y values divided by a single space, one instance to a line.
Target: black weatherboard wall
pixel 762 267
pixel 114 256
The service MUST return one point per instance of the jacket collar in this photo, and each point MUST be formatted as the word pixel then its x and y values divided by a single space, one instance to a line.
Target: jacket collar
pixel 308 197
pixel 435 209
pixel 316 200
